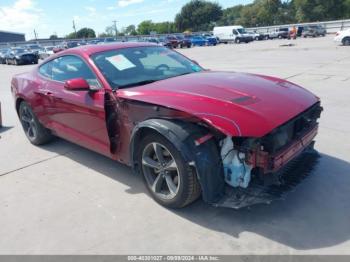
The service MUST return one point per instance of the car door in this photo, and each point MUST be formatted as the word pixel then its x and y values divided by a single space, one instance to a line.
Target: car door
pixel 78 116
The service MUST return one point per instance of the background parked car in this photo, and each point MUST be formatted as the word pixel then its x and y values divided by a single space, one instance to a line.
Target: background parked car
pixel 184 42
pixel 198 41
pixel 107 40
pixel 46 52
pixel 19 56
pixel 165 42
pixel 3 53
pixel 173 41
pixel 58 48
pixel 34 48
pixel 237 34
pixel 94 41
pixel 280 33
pixel 343 37
pixel 71 44
pixel 259 36
pixel 212 40
pixel 314 31
pixel 300 31
pixel 152 40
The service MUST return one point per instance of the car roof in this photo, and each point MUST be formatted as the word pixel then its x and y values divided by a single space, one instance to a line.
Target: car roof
pixel 93 49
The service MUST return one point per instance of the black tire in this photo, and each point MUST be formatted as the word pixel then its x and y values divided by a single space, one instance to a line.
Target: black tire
pixel 187 189
pixel 36 133
pixel 346 41
pixel 237 40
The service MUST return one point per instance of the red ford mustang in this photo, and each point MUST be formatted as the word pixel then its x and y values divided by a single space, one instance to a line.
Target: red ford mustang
pixel 235 139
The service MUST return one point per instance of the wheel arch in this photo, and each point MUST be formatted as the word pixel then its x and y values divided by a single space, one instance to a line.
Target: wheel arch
pixel 204 158
pixel 19 100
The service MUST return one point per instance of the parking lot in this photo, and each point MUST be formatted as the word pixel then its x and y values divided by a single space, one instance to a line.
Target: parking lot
pixel 64 199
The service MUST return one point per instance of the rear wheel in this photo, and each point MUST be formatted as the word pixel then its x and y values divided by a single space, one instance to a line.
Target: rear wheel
pixel 346 41
pixel 36 133
pixel 168 178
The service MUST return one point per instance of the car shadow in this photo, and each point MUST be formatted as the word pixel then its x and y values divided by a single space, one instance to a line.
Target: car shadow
pixel 3 129
pixel 316 215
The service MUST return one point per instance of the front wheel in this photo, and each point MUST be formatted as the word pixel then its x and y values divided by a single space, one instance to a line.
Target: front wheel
pixel 36 133
pixel 168 178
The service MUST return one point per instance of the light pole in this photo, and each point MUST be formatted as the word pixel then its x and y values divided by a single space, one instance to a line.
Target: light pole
pixel 115 28
pixel 75 29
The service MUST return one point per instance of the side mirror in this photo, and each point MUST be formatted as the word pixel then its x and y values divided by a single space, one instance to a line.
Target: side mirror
pixel 77 84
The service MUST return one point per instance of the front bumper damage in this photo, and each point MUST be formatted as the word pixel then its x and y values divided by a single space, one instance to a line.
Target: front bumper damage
pixel 273 165
pixel 289 176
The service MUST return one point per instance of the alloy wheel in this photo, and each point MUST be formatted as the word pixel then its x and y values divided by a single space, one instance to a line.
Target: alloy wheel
pixel 161 171
pixel 28 123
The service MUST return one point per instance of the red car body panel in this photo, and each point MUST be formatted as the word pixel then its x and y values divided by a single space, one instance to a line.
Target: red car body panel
pixel 235 104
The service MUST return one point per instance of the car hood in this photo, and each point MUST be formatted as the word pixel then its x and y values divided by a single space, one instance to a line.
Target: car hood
pixel 236 104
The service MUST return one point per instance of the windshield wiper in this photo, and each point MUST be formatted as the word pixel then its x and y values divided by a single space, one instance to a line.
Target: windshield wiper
pixel 141 83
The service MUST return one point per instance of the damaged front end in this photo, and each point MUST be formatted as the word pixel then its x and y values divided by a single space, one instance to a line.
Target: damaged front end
pixel 260 170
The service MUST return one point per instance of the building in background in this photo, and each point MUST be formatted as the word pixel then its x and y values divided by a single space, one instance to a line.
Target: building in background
pixel 6 37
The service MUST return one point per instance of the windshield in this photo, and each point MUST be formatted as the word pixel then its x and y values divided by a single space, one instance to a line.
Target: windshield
pixel 72 44
pixel 142 65
pixel 241 30
pixel 18 50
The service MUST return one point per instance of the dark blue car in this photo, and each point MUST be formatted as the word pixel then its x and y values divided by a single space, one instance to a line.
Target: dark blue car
pixel 199 41
pixel 212 40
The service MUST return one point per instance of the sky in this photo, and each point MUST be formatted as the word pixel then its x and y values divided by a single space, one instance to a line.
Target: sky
pixel 49 17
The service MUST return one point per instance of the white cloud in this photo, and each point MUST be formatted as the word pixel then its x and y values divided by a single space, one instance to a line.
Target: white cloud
pixel 123 3
pixel 90 9
pixel 22 16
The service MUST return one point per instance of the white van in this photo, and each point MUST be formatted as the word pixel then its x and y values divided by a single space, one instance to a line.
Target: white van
pixel 236 34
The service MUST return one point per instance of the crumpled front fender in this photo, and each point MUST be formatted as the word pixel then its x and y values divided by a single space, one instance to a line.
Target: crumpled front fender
pixel 204 158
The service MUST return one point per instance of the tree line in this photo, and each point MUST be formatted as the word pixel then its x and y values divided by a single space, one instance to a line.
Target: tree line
pixel 203 15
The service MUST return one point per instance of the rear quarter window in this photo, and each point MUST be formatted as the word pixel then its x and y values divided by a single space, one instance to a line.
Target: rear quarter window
pixel 46 70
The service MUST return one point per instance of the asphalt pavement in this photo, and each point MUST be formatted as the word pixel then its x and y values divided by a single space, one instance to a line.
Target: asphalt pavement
pixel 64 199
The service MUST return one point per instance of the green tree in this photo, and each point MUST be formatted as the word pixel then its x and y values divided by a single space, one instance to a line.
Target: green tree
pixel 145 27
pixel 320 10
pixel 86 33
pixel 53 37
pixel 231 15
pixel 198 15
pixel 130 30
pixel 71 36
pixel 110 31
pixel 164 27
pixel 347 9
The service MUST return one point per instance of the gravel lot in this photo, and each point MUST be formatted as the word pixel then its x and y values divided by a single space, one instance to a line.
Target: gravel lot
pixel 63 199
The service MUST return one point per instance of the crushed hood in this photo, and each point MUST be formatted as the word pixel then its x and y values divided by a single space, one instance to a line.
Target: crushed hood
pixel 237 104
